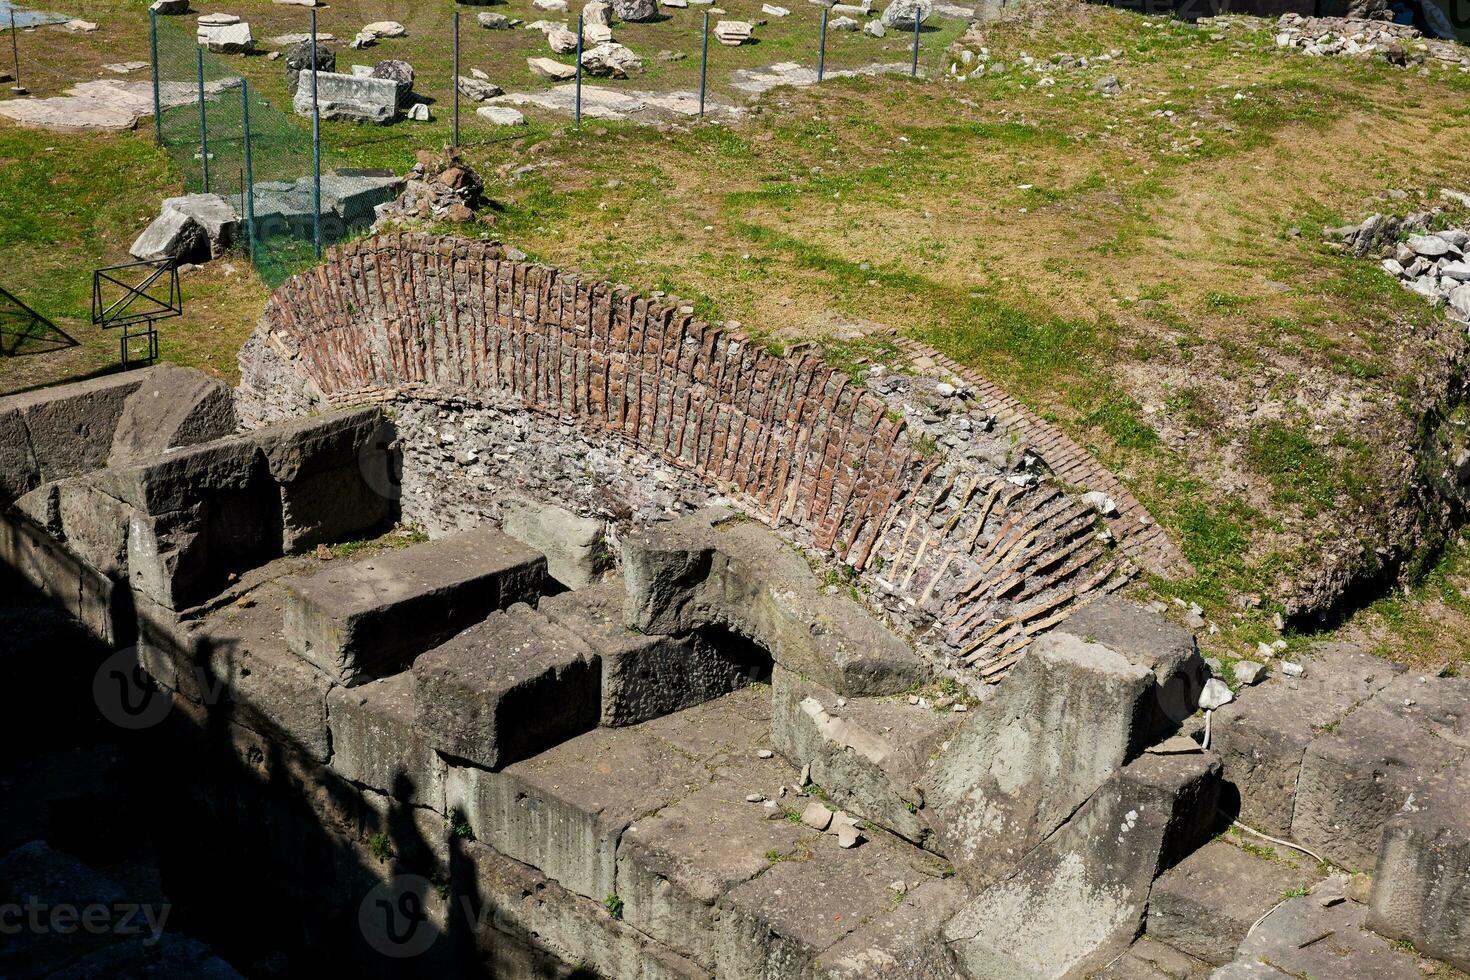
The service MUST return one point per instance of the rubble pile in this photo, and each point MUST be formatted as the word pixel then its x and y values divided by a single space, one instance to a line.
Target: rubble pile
pixel 440 186
pixel 1400 44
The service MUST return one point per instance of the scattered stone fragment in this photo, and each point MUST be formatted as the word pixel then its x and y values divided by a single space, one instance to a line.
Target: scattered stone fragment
pixel 561 40
pixel 1248 672
pixel 635 11
pixel 385 28
pixel 732 33
pixel 764 754
pixel 1215 694
pixel 773 10
pixel 419 112
pixel 610 60
pixel 552 69
pixel 843 24
pixel 816 816
pixel 478 91
pixel 493 22
pixel 875 28
pixel 754 798
pixel 597 14
pixel 501 115
pixel 901 13
pixel 1292 669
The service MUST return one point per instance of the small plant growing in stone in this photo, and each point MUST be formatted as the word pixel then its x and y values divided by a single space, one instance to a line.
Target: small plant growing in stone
pixel 380 847
pixel 614 906
pixel 460 825
pixel 1300 891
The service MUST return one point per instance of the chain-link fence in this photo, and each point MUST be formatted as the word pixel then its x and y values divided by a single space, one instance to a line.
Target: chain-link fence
pixel 262 154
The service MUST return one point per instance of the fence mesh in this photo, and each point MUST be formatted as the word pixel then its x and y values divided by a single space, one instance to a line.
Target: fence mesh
pixel 206 104
pixel 206 108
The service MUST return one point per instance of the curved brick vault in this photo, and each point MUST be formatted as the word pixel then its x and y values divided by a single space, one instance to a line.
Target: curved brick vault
pixel 978 558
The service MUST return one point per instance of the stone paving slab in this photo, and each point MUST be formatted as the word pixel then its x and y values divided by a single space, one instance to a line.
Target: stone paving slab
pixel 1304 939
pixel 372 617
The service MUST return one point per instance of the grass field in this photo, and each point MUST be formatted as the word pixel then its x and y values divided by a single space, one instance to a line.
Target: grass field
pixel 1145 270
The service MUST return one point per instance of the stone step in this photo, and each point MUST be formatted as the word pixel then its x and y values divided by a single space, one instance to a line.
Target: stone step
pixel 373 617
pixel 644 675
pixel 869 755
pixel 507 688
pixel 1205 905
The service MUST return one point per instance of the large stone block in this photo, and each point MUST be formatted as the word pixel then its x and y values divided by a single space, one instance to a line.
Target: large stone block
pixel 573 546
pixel 350 98
pixel 1421 883
pixel 1304 938
pixel 564 810
pixel 172 407
pixel 375 744
pixel 646 676
pixel 335 474
pixel 673 867
pixel 506 688
pixel 1207 903
pixel 1149 639
pixel 234 662
pixel 1078 899
pixel 781 923
pixel 869 755
pixel 709 570
pixel 53 433
pixel 1262 735
pixel 95 525
pixel 904 942
pixel 513 903
pixel 1393 753
pixel 1068 717
pixel 372 617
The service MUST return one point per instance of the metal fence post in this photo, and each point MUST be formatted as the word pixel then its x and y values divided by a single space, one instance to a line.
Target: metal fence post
pixel 157 102
pixel 316 149
pixel 703 64
pixel 17 88
pixel 203 124
pixel 914 69
pixel 456 79
pixel 578 115
pixel 249 202
pixel 822 47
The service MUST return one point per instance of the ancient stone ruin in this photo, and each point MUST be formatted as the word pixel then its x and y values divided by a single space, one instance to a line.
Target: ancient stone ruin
pixel 707 661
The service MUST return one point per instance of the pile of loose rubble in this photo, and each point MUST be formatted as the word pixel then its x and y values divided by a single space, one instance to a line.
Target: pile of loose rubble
pixel 440 186
pixel 1433 264
pixel 1400 44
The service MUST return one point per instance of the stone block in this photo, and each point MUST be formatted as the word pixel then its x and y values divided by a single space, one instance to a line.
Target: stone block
pixel 42 506
pixel 1149 639
pixel 673 867
pixel 564 810
pixel 334 473
pixel 95 525
pixel 506 688
pixel 1262 735
pixel 903 942
pixel 869 755
pixel 1207 903
pixel 53 433
pixel 707 570
pixel 1068 716
pixel 573 546
pixel 347 97
pixel 518 904
pixel 1394 752
pixel 781 923
pixel 1421 883
pixel 1148 959
pixel 644 676
pixel 214 214
pixel 172 407
pixel 372 617
pixel 172 235
pixel 1077 900
pixel 234 662
pixel 375 744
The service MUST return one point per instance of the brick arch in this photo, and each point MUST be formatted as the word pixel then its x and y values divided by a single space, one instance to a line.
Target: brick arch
pixel 793 439
pixel 976 561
